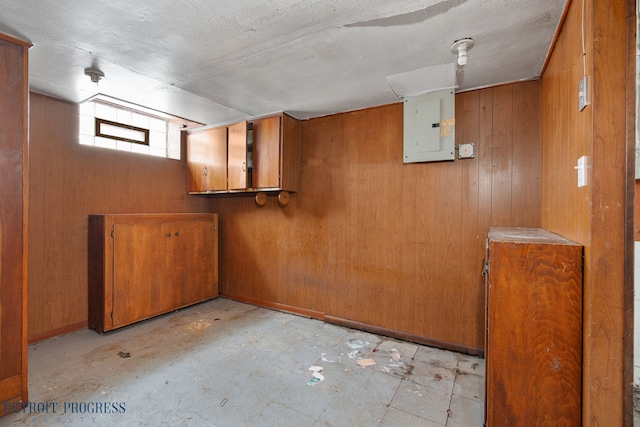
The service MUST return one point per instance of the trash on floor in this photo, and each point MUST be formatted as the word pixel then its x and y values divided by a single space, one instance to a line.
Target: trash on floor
pixel 317 376
pixel 199 325
pixel 313 381
pixel 332 358
pixel 366 362
pixel 395 360
pixel 357 343
pixel 124 354
pixel 395 354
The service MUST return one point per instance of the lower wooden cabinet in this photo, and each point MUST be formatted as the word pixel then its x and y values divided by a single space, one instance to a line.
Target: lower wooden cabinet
pixel 141 266
pixel 534 329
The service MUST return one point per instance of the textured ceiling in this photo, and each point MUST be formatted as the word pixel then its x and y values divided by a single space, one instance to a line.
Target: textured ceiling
pixel 220 61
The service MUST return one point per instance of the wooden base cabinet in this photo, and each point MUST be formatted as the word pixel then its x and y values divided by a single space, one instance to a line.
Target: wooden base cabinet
pixel 534 329
pixel 141 266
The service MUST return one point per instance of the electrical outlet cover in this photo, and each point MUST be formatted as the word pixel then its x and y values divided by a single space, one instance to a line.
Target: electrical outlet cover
pixel 465 151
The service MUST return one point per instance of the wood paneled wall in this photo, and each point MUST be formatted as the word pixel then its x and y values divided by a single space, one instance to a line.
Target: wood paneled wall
pixel 67 183
pixel 595 215
pixel 376 243
pixel 368 240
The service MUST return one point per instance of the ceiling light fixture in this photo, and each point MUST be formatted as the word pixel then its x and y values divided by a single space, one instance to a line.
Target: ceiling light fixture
pixel 94 74
pixel 461 47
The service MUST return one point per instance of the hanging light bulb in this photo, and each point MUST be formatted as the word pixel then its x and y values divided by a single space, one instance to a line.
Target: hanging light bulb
pixel 461 47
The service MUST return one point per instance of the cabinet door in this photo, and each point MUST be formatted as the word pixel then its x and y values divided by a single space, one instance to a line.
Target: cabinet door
pixel 207 160
pixel 290 156
pixel 266 153
pixel 237 164
pixel 162 266
pixel 141 271
pixel 194 251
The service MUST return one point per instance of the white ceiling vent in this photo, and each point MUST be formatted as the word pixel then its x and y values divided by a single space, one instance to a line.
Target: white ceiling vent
pixel 423 80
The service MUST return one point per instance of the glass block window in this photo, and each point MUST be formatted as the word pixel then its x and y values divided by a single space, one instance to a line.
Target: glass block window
pixel 110 123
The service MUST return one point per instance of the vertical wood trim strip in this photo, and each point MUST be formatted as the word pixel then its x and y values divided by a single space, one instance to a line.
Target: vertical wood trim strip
pixel 628 350
pixel 25 222
pixel 605 335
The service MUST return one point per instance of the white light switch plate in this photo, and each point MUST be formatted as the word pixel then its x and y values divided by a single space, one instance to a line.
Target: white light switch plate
pixel 582 171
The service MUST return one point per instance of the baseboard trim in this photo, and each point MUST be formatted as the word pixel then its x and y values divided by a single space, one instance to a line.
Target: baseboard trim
pixel 276 306
pixel 405 336
pixel 34 338
pixel 357 325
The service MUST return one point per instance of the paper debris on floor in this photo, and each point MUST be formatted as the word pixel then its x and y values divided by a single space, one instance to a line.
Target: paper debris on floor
pixel 366 362
pixel 357 343
pixel 317 376
pixel 332 358
pixel 313 381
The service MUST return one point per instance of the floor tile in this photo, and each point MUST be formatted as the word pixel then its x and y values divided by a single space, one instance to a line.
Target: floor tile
pixel 224 363
pixel 469 386
pixel 395 417
pixel 465 412
pixel 433 375
pixel 422 401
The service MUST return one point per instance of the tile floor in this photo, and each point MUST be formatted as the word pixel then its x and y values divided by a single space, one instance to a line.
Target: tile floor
pixel 223 363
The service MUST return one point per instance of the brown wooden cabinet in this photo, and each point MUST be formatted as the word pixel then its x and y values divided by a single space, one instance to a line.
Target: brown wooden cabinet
pixel 250 156
pixel 13 222
pixel 207 160
pixel 534 329
pixel 141 266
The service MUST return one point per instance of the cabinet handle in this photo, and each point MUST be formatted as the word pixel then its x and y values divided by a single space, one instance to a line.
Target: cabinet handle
pixel 168 234
pixel 205 171
pixel 177 233
pixel 244 166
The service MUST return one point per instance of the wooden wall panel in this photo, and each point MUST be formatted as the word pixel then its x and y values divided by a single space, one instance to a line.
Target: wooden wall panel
pixel 14 178
pixel 381 244
pixel 636 212
pixel 566 137
pixel 502 150
pixel 595 215
pixel 69 182
pixel 605 347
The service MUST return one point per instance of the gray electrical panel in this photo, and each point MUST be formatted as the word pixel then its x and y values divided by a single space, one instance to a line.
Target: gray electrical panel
pixel 429 127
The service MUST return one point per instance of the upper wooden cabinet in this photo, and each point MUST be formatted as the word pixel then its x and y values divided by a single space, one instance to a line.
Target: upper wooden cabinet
pixel 257 155
pixel 207 160
pixel 238 146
